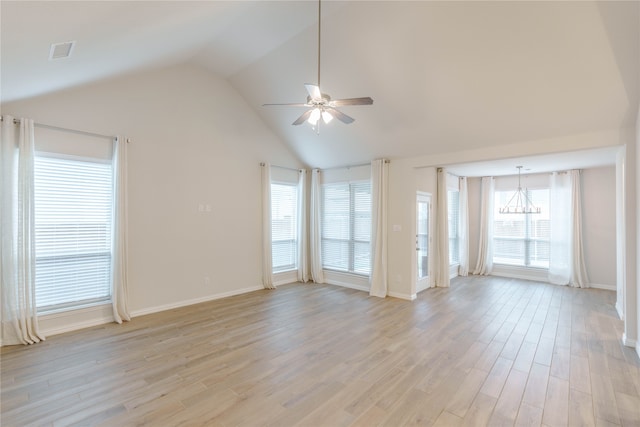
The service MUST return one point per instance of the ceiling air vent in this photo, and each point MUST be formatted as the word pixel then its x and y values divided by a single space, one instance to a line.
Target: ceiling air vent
pixel 61 50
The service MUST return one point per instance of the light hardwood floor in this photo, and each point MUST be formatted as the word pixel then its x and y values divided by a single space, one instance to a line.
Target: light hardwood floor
pixel 487 351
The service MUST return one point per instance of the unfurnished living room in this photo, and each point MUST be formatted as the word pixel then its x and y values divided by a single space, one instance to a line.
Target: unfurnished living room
pixel 320 213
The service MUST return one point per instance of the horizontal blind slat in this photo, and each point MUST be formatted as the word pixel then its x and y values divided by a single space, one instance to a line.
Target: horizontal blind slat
pixel 284 226
pixel 346 227
pixel 73 210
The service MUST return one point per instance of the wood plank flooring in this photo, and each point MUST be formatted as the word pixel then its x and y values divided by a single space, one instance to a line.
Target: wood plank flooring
pixel 487 351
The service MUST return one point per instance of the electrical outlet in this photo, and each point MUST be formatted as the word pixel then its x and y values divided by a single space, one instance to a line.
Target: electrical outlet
pixel 207 280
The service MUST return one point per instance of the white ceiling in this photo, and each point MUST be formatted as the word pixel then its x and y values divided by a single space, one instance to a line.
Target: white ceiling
pixel 444 76
pixel 583 159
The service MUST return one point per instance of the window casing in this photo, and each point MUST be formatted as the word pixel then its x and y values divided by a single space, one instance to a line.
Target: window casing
pixel 284 226
pixel 346 227
pixel 73 239
pixel 522 239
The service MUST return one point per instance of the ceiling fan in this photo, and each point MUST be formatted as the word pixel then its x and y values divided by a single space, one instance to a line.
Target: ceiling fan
pixel 320 105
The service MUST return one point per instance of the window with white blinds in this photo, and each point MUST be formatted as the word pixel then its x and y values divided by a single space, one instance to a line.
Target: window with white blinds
pixel 522 239
pixel 73 215
pixel 346 227
pixel 453 213
pixel 284 226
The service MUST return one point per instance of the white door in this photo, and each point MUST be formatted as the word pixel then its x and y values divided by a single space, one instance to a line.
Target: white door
pixel 423 213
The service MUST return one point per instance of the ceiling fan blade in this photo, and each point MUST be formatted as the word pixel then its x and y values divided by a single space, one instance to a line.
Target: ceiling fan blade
pixel 314 91
pixel 286 105
pixel 352 101
pixel 302 118
pixel 340 115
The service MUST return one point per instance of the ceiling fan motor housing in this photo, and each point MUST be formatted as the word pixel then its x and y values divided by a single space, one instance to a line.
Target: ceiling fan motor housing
pixel 322 101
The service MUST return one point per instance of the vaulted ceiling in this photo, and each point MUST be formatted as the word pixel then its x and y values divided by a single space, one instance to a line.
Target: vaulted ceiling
pixel 444 76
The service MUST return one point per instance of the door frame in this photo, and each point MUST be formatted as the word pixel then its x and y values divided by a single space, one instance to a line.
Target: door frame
pixel 426 283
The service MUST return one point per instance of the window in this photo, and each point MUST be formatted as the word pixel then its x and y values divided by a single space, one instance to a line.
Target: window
pixel 73 215
pixel 346 227
pixel 453 213
pixel 284 226
pixel 522 239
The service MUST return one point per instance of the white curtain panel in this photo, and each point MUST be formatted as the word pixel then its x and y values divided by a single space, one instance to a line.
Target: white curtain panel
pixel 566 254
pixel 315 229
pixel 442 232
pixel 267 261
pixel 579 276
pixel 120 233
pixel 484 265
pixel 379 199
pixel 17 228
pixel 560 228
pixel 463 269
pixel 303 264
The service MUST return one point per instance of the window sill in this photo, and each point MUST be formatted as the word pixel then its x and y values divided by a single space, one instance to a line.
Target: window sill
pixel 347 280
pixel 519 272
pixel 285 277
pixel 76 308
pixel 73 318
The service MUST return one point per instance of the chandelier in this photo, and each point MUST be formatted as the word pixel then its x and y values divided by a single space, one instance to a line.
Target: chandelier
pixel 519 203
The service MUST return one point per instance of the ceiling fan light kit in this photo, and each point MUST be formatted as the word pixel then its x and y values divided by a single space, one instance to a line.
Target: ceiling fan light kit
pixel 320 105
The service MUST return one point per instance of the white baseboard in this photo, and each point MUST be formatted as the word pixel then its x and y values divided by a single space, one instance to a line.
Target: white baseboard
pixel 347 285
pixel 285 278
pixel 347 280
pixel 72 320
pixel 620 311
pixel 156 309
pixel 605 287
pixel 537 275
pixel 408 297
pixel 630 343
pixel 522 273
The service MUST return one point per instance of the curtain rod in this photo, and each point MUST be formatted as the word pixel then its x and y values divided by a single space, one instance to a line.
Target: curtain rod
pixel 80 132
pixel 282 167
pixel 351 166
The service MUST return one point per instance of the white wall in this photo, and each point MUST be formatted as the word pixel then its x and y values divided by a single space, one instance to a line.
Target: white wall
pixel 599 230
pixel 629 280
pixel 474 189
pixel 599 225
pixel 406 176
pixel 195 142
pixel 637 282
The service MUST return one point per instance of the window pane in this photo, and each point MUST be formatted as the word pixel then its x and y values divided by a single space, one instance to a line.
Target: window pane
pixel 346 227
pixel 335 254
pixel 362 258
pixel 539 253
pixel 335 213
pixel 284 226
pixel 522 239
pixel 73 201
pixel 508 251
pixel 362 212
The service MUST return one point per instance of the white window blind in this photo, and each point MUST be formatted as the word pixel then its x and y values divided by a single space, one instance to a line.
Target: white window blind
pixel 346 227
pixel 284 226
pixel 73 212
pixel 522 239
pixel 453 213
